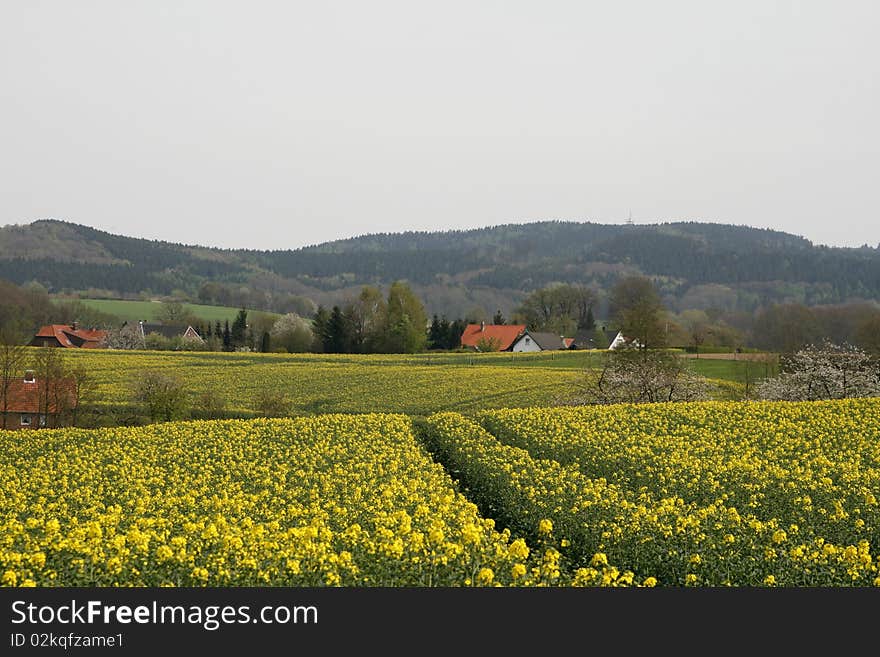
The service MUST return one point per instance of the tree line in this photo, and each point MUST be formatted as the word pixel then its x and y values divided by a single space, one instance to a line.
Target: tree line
pixel 397 323
pixel 371 323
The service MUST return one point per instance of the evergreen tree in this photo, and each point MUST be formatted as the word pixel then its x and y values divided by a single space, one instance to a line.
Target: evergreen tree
pixel 436 338
pixel 338 336
pixel 498 317
pixel 589 322
pixel 454 333
pixel 227 337
pixel 218 330
pixel 445 328
pixel 353 341
pixel 238 334
pixel 319 329
pixel 265 342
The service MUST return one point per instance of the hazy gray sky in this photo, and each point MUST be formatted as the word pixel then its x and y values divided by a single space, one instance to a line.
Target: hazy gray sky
pixel 280 124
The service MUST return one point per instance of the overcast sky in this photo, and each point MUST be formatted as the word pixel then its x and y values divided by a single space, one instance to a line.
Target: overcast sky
pixel 281 124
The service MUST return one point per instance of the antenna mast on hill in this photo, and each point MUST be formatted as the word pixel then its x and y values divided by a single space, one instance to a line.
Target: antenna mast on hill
pixel 629 222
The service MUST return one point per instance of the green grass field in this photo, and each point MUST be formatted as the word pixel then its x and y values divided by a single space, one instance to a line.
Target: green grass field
pixel 133 311
pixel 739 371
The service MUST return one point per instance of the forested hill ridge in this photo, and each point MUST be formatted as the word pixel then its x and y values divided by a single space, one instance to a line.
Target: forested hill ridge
pixel 695 264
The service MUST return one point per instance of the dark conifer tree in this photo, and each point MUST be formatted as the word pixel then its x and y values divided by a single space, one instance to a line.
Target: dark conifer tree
pixel 319 328
pixel 227 337
pixel 590 322
pixel 456 329
pixel 239 329
pixel 436 338
pixel 338 336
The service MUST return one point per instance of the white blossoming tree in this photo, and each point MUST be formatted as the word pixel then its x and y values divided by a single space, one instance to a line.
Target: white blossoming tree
pixel 634 376
pixel 826 371
pixel 126 337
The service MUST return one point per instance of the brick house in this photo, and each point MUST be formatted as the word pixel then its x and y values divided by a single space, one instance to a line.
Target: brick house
pixel 31 404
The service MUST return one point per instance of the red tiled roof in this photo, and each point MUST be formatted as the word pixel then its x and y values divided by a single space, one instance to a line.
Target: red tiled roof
pixel 90 338
pixel 91 334
pixel 26 397
pixel 506 334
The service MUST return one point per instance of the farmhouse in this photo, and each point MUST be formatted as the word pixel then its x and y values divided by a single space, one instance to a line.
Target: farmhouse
pixel 541 341
pixel 620 340
pixel 171 332
pixel 617 342
pixel 491 337
pixel 69 336
pixel 601 339
pixel 30 403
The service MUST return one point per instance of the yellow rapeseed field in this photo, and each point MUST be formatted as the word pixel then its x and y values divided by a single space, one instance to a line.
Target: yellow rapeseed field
pixel 716 493
pixel 334 383
pixel 331 500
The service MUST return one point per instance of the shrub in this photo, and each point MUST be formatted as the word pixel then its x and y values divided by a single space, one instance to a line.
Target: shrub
pixel 162 396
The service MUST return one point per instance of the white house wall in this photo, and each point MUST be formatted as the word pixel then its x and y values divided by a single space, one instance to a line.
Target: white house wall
pixel 525 343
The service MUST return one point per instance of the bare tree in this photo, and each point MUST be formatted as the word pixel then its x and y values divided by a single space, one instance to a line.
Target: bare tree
pixel 561 308
pixel 82 388
pixel 12 360
pixel 172 312
pixel 696 324
pixel 366 315
pixel 636 307
pixel 50 368
pixel 868 335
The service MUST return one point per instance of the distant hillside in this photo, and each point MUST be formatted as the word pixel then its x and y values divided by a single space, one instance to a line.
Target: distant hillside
pixel 696 264
pixel 151 311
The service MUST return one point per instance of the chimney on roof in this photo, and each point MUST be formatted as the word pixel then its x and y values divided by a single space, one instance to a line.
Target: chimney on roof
pixel 482 326
pixel 75 325
pixel 29 376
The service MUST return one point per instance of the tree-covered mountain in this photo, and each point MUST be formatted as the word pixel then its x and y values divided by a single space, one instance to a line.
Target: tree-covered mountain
pixel 456 272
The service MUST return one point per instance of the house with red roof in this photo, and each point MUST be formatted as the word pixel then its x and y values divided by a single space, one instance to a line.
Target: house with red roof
pixel 30 403
pixel 485 337
pixel 69 336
